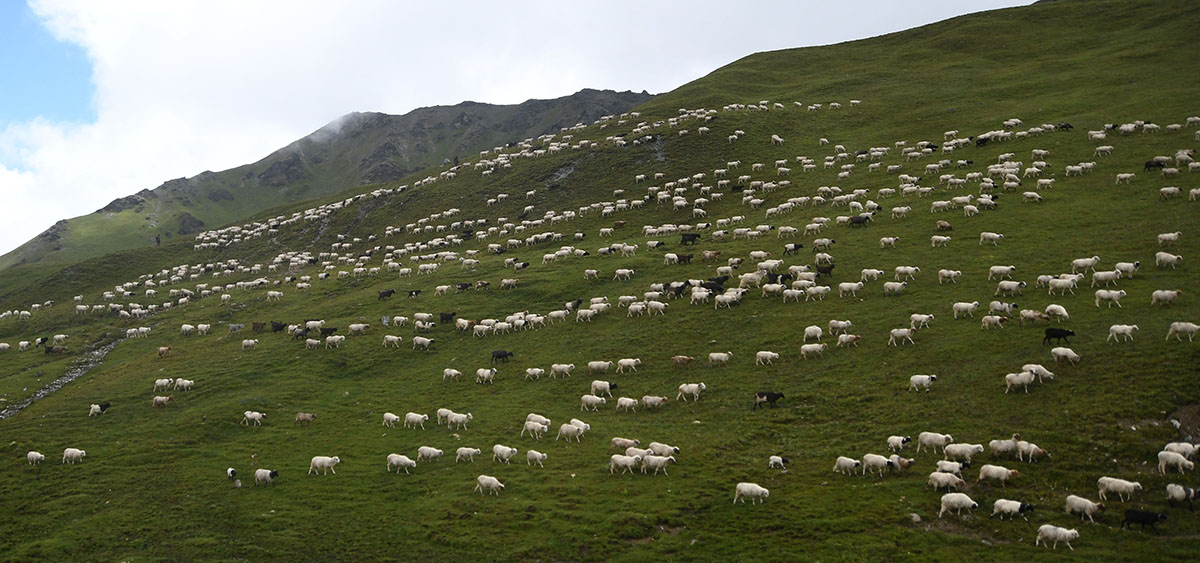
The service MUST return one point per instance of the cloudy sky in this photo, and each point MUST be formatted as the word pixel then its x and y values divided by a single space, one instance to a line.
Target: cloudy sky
pixel 103 98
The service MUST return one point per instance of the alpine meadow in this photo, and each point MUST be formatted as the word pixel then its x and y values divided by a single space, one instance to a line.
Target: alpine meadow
pixel 955 200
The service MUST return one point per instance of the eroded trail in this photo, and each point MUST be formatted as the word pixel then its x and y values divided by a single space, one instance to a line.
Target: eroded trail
pixel 84 364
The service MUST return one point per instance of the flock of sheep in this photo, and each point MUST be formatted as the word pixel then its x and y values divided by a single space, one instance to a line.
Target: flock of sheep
pixel 771 277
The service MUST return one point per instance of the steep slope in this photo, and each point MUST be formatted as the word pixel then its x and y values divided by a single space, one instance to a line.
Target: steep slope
pixel 358 148
pixel 153 482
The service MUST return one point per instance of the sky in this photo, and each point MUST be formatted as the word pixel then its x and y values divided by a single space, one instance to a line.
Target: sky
pixel 100 99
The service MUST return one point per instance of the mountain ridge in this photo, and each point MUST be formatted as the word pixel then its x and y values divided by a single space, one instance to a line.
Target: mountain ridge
pixel 355 149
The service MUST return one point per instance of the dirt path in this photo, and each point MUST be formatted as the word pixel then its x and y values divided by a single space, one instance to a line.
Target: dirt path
pixel 90 359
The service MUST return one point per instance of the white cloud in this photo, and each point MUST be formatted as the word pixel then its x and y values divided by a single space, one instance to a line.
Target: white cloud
pixel 193 85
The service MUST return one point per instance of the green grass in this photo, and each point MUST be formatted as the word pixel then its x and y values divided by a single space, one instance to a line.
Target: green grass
pixel 152 484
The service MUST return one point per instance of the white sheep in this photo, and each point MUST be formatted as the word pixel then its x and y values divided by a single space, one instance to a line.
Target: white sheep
pixel 993 238
pixel 325 463
pixel 1058 312
pixel 1168 459
pixel 485 375
pixel 690 389
pixel 503 453
pixel 1178 328
pixel 990 321
pixel 765 357
pixel 627 404
pixel 252 417
pixel 413 420
pixel 625 462
pixel 948 275
pixel 817 349
pixel 956 502
pixel 897 336
pixel 933 440
pixel 954 467
pixel 775 461
pixel 400 461
pixel 34 457
pixel 488 483
pixel 428 453
pixel 458 420
pixel 534 456
pixel 877 462
pixel 1010 508
pixel 1183 448
pixel 1063 353
pixel 945 480
pixel 897 443
pixel 466 453
pixel 656 463
pixel 918 382
pixel 535 429
pixel 592 401
pixel 997 473
pixel 628 363
pixel 389 419
pixel 1110 296
pixel 1175 493
pixel 1115 332
pixel 965 308
pixel 1021 379
pixel 450 373
pixel 1122 487
pixel 846 465
pixel 602 387
pixel 1164 296
pixel 651 401
pixel 264 476
pixel 1048 532
pixel 751 491
pixel 719 357
pixel 961 451
pixel 1083 507
pixel 1166 259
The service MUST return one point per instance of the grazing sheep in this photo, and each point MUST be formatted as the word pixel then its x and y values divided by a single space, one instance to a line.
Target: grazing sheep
pixel 428 453
pixel 458 420
pixel 1122 487
pixel 775 461
pixel 997 473
pixel 304 418
pixel 592 401
pixel 954 467
pixel 1117 331
pixel 1010 508
pixel 690 389
pixel 933 440
pixel 1048 532
pixel 1164 296
pixel 897 443
pixel 965 308
pixel 945 480
pixel 325 463
pixel 400 461
pixel 956 502
pixel 34 457
pixel 961 451
pixel 488 483
pixel 751 491
pixel 625 462
pixel 160 401
pixel 1173 459
pixel 466 453
pixel 503 453
pixel 1178 328
pixel 918 382
pixel 846 465
pixel 1175 493
pixel 1083 507
pixel 253 416
pixel 1021 379
pixel 877 462
pixel 1063 353
pixel 413 420
pixel 897 336
pixel 657 462
pixel 264 476
pixel 72 455
pixel 1166 259
pixel 534 456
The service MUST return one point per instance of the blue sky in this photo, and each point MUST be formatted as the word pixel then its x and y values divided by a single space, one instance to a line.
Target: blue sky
pixel 43 77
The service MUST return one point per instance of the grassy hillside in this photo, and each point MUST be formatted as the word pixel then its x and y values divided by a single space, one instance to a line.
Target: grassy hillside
pixel 152 485
pixel 358 148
